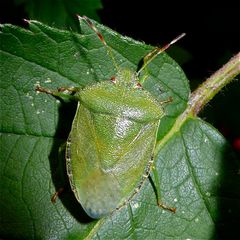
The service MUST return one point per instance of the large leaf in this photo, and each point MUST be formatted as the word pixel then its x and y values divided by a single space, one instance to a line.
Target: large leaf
pixel 197 172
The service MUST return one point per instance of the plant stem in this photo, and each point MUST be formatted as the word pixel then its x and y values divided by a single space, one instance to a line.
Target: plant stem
pixel 203 94
pixel 207 90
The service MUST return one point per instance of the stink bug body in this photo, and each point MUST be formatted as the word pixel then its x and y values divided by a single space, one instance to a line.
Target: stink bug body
pixel 110 148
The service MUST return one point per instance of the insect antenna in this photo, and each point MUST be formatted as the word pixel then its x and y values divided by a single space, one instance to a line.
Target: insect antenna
pixel 109 50
pixel 155 52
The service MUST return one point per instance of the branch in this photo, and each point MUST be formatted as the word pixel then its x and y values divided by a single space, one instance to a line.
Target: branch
pixel 203 94
pixel 207 90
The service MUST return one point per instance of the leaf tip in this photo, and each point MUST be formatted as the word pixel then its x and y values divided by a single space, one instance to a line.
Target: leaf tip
pixel 26 20
pixel 79 17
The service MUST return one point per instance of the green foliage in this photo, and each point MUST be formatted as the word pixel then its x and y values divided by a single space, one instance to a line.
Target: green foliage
pixel 198 173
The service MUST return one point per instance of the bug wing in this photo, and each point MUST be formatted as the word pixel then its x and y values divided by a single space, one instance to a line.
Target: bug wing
pixel 97 191
pixel 126 149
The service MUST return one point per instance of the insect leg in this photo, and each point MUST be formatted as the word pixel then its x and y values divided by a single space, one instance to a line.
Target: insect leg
pixel 100 36
pixel 150 168
pixel 169 100
pixel 62 93
pixel 155 52
pixel 56 195
pixel 144 178
pixel 159 202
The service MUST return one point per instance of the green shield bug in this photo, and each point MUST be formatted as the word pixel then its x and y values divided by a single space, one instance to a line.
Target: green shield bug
pixel 109 151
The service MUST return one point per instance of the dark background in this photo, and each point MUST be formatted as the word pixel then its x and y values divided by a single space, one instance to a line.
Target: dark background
pixel 213 33
pixel 213 37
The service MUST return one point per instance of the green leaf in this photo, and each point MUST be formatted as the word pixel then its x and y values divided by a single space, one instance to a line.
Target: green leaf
pixel 197 172
pixel 197 176
pixel 61 13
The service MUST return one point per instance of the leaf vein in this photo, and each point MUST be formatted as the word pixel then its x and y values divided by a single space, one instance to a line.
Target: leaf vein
pixel 40 65
pixel 194 178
